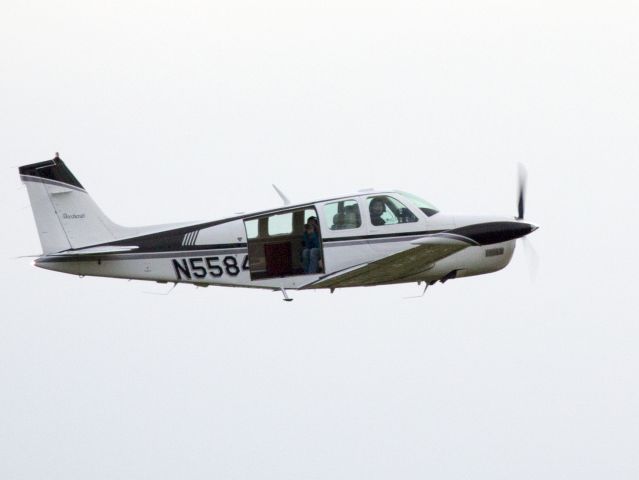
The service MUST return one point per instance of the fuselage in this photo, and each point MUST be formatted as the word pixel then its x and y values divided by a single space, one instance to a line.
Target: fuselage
pixel 266 249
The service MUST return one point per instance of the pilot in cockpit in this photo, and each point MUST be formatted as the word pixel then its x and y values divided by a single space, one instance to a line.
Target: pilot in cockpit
pixel 377 209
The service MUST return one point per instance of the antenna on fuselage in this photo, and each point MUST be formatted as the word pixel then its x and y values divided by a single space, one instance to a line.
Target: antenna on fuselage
pixel 282 196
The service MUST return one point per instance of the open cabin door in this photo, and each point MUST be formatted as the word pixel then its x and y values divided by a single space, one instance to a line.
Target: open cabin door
pixel 277 245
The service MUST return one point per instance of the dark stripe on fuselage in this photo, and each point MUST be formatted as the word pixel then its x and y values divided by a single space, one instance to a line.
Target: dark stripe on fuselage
pixel 382 235
pixel 158 249
pixel 190 252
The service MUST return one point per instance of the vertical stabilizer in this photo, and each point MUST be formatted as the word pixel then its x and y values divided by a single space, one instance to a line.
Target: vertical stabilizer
pixel 65 214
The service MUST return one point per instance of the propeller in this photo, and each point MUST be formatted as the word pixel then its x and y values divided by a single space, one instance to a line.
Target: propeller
pixel 522 192
pixel 532 259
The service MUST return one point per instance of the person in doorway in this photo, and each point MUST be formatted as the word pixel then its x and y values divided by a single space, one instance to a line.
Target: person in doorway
pixel 311 246
pixel 314 223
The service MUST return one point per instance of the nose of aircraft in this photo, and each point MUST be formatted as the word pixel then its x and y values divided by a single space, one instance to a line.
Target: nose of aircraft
pixel 523 228
pixel 527 228
pixel 485 233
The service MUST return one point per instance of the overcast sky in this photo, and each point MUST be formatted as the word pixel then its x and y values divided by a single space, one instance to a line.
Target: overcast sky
pixel 171 111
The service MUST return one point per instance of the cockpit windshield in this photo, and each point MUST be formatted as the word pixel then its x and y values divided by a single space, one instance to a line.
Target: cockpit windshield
pixel 428 208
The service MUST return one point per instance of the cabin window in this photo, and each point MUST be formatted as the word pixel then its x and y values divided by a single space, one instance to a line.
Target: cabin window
pixel 251 228
pixel 280 224
pixel 342 215
pixel 385 210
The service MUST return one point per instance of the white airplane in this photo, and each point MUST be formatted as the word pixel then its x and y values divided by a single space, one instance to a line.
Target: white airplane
pixel 364 239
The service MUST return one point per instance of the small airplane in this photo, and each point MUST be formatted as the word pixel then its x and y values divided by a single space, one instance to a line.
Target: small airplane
pixel 371 237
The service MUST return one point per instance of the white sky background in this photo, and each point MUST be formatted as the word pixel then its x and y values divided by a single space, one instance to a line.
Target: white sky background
pixel 190 110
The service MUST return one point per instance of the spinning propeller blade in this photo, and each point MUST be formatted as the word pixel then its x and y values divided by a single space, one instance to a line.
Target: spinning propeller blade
pixel 522 193
pixel 532 259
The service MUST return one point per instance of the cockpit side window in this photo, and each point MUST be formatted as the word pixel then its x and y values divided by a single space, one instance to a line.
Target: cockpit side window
pixel 385 210
pixel 342 215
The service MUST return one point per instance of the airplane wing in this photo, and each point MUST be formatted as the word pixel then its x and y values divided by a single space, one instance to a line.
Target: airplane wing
pixel 421 257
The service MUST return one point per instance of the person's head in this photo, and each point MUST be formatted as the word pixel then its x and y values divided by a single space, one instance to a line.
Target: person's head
pixel 313 222
pixel 376 207
pixel 351 216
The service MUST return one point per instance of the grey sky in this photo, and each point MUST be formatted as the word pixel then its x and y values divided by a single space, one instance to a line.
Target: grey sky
pixel 170 111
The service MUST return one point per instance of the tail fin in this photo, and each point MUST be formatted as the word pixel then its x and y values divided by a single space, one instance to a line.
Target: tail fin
pixel 66 216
